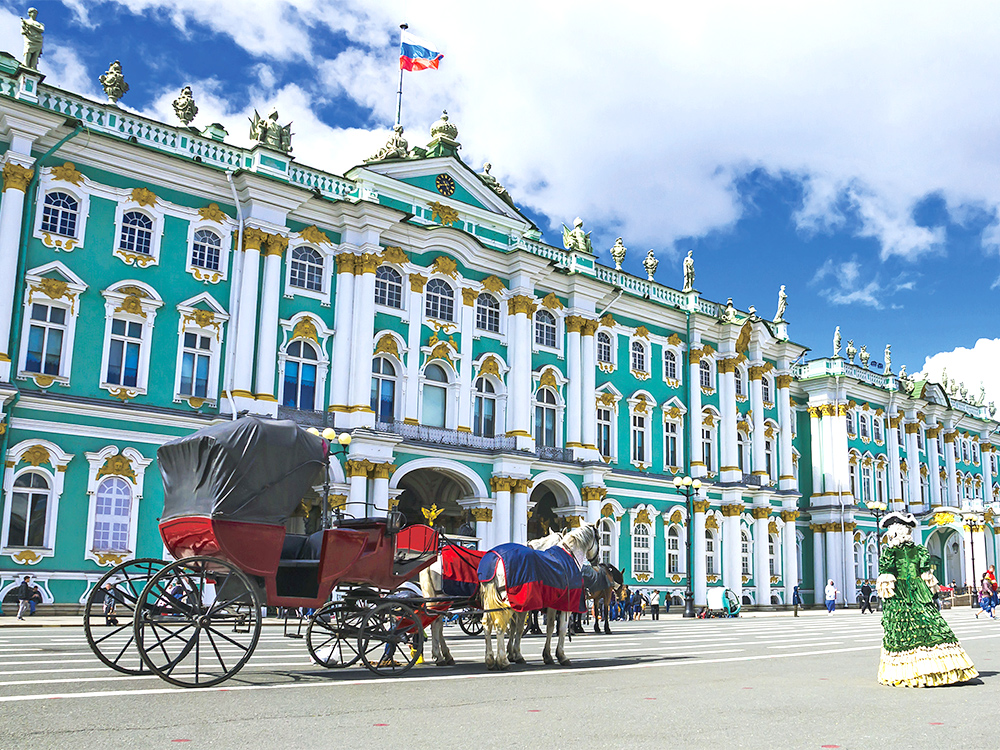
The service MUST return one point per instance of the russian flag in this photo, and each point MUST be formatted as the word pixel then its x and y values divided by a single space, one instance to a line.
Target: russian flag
pixel 416 53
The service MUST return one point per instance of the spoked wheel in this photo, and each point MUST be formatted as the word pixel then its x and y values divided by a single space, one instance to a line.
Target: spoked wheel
pixel 391 640
pixel 332 635
pixel 114 644
pixel 197 622
pixel 471 623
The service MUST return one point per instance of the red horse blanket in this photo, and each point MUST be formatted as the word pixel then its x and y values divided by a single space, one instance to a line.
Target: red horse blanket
pixel 458 570
pixel 548 579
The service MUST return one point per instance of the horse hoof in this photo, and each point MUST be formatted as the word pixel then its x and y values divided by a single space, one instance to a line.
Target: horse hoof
pixel 450 661
pixel 502 666
pixel 548 659
pixel 519 660
pixel 491 662
pixel 565 662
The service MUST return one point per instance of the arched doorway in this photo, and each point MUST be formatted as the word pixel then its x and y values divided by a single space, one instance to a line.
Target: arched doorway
pixel 424 483
pixel 945 547
pixel 542 515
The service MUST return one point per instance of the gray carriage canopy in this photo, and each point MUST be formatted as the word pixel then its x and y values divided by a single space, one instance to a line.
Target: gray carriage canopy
pixel 252 470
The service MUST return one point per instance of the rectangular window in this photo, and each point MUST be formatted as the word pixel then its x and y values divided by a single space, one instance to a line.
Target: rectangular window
pixel 484 419
pixel 673 555
pixel 604 432
pixel 45 339
pixel 670 443
pixel 706 447
pixel 195 362
pixel 123 354
pixel 710 554
pixel 638 438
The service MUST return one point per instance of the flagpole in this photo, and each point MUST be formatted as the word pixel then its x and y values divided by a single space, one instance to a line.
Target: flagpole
pixel 399 94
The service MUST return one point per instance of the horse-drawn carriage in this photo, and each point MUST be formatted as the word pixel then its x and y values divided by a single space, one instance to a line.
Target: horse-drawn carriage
pixel 228 491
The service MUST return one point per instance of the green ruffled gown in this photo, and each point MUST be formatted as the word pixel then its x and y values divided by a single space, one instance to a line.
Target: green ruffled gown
pixel 918 649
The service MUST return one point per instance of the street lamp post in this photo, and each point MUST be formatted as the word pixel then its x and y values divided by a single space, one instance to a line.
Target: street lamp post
pixel 877 509
pixel 343 440
pixel 972 521
pixel 689 488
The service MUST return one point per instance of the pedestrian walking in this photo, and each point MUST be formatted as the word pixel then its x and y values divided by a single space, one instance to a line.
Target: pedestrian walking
pixel 831 597
pixel 23 597
pixel 110 604
pixel 991 580
pixel 654 604
pixel 986 599
pixel 796 600
pixel 866 597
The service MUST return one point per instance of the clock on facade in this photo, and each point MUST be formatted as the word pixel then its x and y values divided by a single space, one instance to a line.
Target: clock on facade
pixel 445 184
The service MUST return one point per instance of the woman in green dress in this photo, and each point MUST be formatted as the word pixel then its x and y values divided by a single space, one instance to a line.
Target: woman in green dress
pixel 918 649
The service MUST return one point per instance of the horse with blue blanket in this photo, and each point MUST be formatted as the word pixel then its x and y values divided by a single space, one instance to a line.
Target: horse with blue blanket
pixel 515 578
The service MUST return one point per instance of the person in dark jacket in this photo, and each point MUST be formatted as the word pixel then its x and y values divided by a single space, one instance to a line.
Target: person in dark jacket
pixel 866 597
pixel 24 593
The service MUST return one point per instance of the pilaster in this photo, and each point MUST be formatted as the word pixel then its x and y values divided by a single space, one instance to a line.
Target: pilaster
pixel 700 580
pixel 787 480
pixel 17 174
pixel 343 311
pixel 267 344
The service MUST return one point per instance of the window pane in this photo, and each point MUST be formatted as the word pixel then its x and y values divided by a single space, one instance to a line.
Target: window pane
pixel 290 392
pixel 131 371
pixel 18 519
pixel 115 360
pixel 33 359
pixel 52 351
pixel 307 395
pixel 36 519
pixel 434 406
pixel 201 379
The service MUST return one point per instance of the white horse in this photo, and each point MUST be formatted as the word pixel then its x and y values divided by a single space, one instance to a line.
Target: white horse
pixel 583 544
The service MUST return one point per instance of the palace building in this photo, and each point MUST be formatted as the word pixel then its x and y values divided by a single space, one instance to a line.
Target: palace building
pixel 155 279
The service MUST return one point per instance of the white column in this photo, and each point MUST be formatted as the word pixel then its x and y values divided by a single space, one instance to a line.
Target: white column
pixel 786 468
pixel 519 525
pixel 588 381
pixel 762 568
pixel 949 463
pixel 520 307
pixel 380 490
pixel 732 567
pixel 892 443
pixel 357 500
pixel 850 587
pixel 465 360
pixel 694 411
pixel 484 526
pixel 984 465
pixel 267 341
pixel 359 401
pixel 816 443
pixel 502 513
pixel 411 404
pixel 574 403
pixel 834 552
pixel 700 581
pixel 789 553
pixel 913 466
pixel 829 450
pixel 819 561
pixel 343 313
pixel 838 432
pixel 757 437
pixel 246 327
pixel 15 182
pixel 729 469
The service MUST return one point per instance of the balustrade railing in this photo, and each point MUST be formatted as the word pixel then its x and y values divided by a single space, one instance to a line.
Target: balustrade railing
pixel 441 436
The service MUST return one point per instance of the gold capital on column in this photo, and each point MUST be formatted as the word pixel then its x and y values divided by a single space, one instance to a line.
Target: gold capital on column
pixel 783 381
pixel 469 296
pixel 276 244
pixel 759 513
pixel 700 506
pixel 336 501
pixel 482 514
pixel 732 510
pixel 574 323
pixel 383 471
pixel 366 263
pixel 589 327
pixel 522 304
pixel 17 177
pixel 358 468
pixel 521 486
pixel 253 238
pixel 500 483
pixel 345 263
pixel 573 521
pixel 417 282
pixel 789 515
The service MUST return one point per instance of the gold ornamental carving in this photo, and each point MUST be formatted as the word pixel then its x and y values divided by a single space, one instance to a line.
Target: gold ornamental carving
pixel 118 465
pixel 677 517
pixel 642 332
pixel 500 484
pixel 37 455
pixel 490 366
pixel 815 412
pixel 366 263
pixel 17 177
pixel 445 266
pixel 109 559
pixel 335 502
pixel 212 212
pixel 607 511
pixel 441 351
pixel 123 394
pixel 444 214
pixel 26 557
pixel 305 329
pixel 607 399
pixel 482 514
pixel 949 437
pixel 521 304
pixel 574 323
pixel 727 365
pixel 67 173
pixel 912 428
pixel 143 196
pixel 548 378
pixel 783 381
pixel 387 345
pixel 140 260
pixel 608 320
pixel 695 355
pixel 772 526
pixel 700 506
pixel 759 513
pixel 358 468
pixel 469 296
pixel 431 514
pixel 417 282
pixel 521 486
pixel 493 284
pixel 788 516
pixel 757 372
pixel 253 238
pixel 729 511
pixel 276 245
pixel 53 289
pixel 674 340
pixel 593 494
pixel 551 301
pixel 642 517
pixel 383 470
pixel 641 405
pixel 895 420
pixel 673 412
pixel 394 254
pixel 589 327
pixel 315 235
pixel 345 263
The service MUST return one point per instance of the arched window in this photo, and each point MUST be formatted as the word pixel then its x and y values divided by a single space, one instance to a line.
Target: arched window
pixel 925 489
pixel 873 561
pixel 850 422
pixel 772 558
pixel 880 484
pixel 877 428
pixel 605 422
pixel 383 396
pixel 111 515
pixel 206 250
pixel 738 380
pixel 710 558
pixel 866 482
pixel 388 287
pixel 545 418
pixel 306 269
pixel 487 313
pixel 606 528
pixel 545 329
pixel 670 365
pixel 673 550
pixel 705 373
pixel 671 444
pixel 640 548
pixel 863 427
pixel 60 213
pixel 769 462
pixel 29 510
pixel 137 233
pixel 484 411
pixel 300 376
pixel 965 451
pixel 435 412
pixel 638 356
pixel 604 348
pixel 440 300
pixel 765 388
pixel 852 473
pixel 859 561
pixel 975 453
pixel 706 447
pixel 745 552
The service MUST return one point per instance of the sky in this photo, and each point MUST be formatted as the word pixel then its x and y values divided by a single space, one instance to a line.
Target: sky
pixel 848 150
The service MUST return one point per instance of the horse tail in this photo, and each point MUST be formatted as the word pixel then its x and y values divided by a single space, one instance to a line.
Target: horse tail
pixel 496 610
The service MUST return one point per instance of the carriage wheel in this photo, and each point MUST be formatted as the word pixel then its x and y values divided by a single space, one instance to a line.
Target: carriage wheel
pixel 391 640
pixel 471 623
pixel 197 622
pixel 115 644
pixel 332 635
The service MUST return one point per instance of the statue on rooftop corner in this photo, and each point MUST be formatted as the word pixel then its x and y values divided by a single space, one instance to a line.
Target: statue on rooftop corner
pixel 888 359
pixel 902 373
pixel 864 356
pixel 113 82
pixel 492 182
pixel 266 130
pixel 782 305
pixel 650 264
pixel 32 30
pixel 395 148
pixel 618 253
pixel 576 239
pixel 836 342
pixel 851 351
pixel 184 106
pixel 982 394
pixel 729 312
pixel 689 272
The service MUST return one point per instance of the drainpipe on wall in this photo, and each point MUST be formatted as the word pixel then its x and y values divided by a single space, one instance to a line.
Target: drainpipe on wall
pixel 234 312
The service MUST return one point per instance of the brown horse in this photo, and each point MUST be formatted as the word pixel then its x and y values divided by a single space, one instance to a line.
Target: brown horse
pixel 603 587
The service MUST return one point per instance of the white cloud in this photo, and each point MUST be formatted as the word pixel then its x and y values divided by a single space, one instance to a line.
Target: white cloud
pixel 848 287
pixel 980 364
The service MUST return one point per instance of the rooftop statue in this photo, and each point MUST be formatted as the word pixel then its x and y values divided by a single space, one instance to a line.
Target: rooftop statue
pixel 650 264
pixel 864 356
pixel 266 130
pixel 902 373
pixel 836 342
pixel 782 305
pixel 729 312
pixel 982 394
pixel 689 272
pixel 395 148
pixel 576 239
pixel 32 30
pixel 618 253
pixel 851 351
pixel 493 182
pixel 888 359
pixel 184 106
pixel 113 82
pixel 753 312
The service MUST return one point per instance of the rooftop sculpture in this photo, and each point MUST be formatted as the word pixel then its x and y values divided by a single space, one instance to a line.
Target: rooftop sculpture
pixel 113 82
pixel 576 239
pixel 32 30
pixel 266 130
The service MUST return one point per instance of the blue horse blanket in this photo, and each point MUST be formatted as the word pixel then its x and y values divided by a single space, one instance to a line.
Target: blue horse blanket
pixel 548 579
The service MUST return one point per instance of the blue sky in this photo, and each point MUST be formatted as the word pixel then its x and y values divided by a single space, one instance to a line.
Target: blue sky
pixel 849 152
